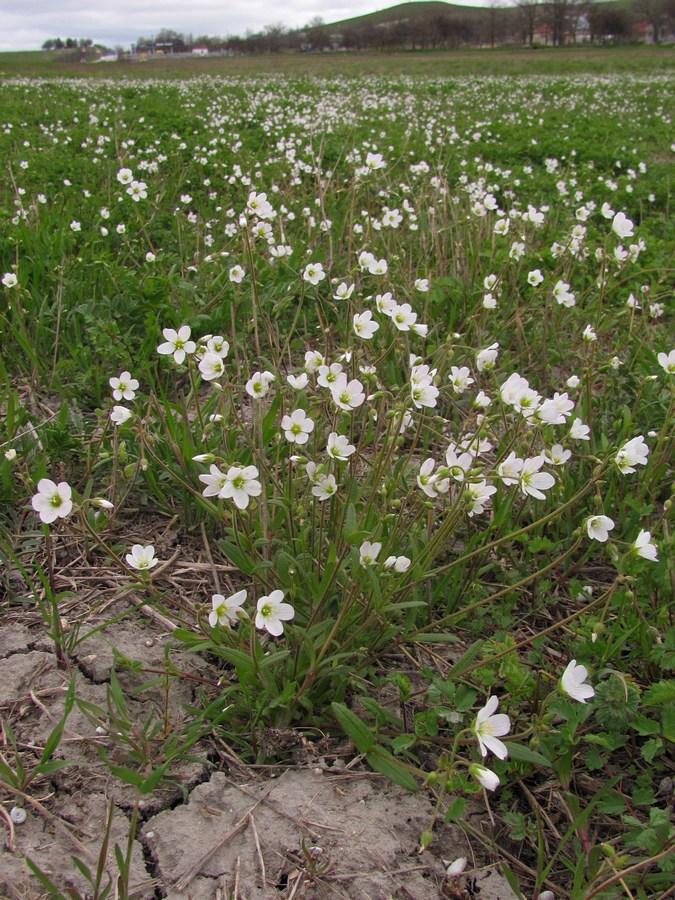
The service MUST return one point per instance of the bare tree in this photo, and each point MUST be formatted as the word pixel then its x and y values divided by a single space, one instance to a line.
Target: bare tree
pixel 529 13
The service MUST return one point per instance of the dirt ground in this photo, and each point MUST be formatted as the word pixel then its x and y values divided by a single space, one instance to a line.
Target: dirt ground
pixel 215 828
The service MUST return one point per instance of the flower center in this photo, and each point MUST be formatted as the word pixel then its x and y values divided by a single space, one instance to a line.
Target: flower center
pixel 265 610
pixel 55 501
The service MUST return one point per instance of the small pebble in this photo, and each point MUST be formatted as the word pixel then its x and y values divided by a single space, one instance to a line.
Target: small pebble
pixel 18 815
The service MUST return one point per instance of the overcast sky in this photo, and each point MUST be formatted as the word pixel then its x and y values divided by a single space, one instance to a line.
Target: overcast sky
pixel 26 24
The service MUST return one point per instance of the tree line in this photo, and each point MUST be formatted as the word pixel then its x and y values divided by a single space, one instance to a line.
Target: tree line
pixel 527 22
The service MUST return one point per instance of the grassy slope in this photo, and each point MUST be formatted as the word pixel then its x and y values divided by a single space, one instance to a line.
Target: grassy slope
pixel 500 61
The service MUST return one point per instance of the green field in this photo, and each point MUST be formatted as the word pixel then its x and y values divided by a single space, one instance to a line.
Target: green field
pixel 494 62
pixel 336 440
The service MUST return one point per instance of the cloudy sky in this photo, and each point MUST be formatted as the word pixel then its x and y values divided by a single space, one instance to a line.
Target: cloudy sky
pixel 26 24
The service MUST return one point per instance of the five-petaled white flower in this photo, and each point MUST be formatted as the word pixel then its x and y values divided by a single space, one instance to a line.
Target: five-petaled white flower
pixel 120 414
pixel 489 727
pixel 598 527
pixel 339 447
pixel 52 501
pixel 297 427
pixel 237 274
pixel 124 387
pixel 633 453
pixel 226 610
pixel 622 226
pixel 240 485
pixel 314 273
pixel 348 395
pixel 177 343
pixel 272 612
pixel 9 280
pixel 211 366
pixel 572 682
pixel 142 557
pixel 364 326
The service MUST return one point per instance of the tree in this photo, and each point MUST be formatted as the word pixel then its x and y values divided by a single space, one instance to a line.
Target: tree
pixel 529 12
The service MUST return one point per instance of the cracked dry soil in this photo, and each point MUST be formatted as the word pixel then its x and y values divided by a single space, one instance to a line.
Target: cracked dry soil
pixel 215 828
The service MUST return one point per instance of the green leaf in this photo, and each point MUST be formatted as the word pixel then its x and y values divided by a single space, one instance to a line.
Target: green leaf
pixel 661 692
pixel 651 748
pixel 521 753
pixel 456 809
pixel 244 563
pixel 403 742
pixel 465 660
pixel 384 763
pixel 354 728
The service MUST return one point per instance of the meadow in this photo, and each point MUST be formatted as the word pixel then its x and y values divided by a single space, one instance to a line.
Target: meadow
pixel 336 438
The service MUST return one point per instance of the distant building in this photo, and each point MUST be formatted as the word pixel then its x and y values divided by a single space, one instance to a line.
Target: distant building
pixel 200 51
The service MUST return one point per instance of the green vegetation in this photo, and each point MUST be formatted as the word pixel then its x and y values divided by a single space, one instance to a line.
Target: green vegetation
pixel 385 364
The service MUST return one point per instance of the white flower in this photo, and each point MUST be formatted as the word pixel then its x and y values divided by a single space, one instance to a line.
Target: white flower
pixel 9 280
pixel 598 527
pixel 226 610
pixel 339 447
pixel 572 682
pixel 52 501
pixel 364 327
pixel 298 382
pixel 557 455
pixel 324 486
pixel 125 176
pixel 328 375
pixel 272 612
pixel 579 431
pixel 621 226
pixel 485 359
pixel 124 387
pixel 399 564
pixel 314 273
pixel 177 343
pixel 259 384
pixel 347 395
pixel 313 359
pixel 535 278
pixel 532 481
pixel 562 294
pixel 142 557
pixel 633 453
pixel 478 496
pixel 375 161
pixel 509 470
pixel 211 366
pixel 10 455
pixel 403 317
pixel 215 481
pixel 137 190
pixel 368 553
pixel 297 427
pixel 573 382
pixel 217 344
pixel 236 274
pixel 454 869
pixel 259 205
pixel 120 415
pixel 589 334
pixel 489 727
pixel 240 485
pixel 343 291
pixel 378 267
pixel 422 285
pixel 460 379
pixel 667 362
pixel 488 779
pixel 643 546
